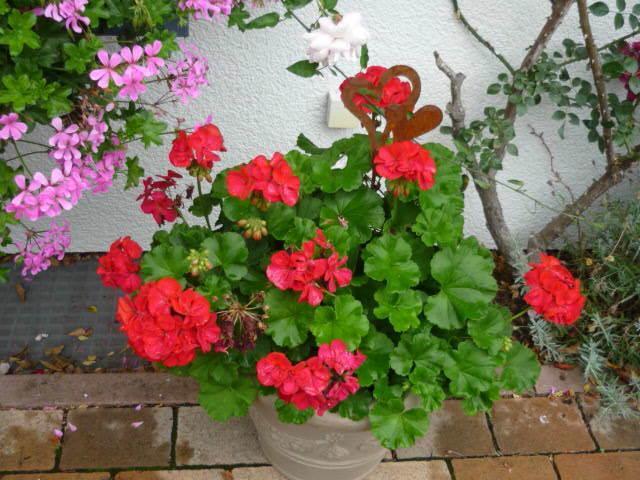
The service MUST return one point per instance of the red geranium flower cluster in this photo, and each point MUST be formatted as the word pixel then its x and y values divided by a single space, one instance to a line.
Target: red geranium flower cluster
pixel 118 267
pixel 407 161
pixel 197 148
pixel 320 382
pixel 395 91
pixel 553 291
pixel 167 324
pixel 311 270
pixel 273 180
pixel 155 200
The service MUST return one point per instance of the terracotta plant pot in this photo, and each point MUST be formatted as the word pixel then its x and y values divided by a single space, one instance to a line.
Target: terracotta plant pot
pixel 327 447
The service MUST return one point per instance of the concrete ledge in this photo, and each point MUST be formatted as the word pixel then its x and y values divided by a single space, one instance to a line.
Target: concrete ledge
pixel 95 389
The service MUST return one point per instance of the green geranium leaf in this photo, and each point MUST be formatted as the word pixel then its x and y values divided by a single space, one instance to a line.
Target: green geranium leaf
pixel 288 413
pixel 235 209
pixel 488 332
pixel 214 366
pixel 421 350
pixel 165 261
pixel 302 230
pixel 294 4
pixel 395 427
pixel 468 286
pixel 143 124
pixel 288 322
pixel 80 54
pixel 427 387
pixel 481 402
pixel 521 369
pixel 388 258
pixel 343 165
pixel 268 20
pixel 280 220
pixel 20 32
pixel 224 401
pixel 383 392
pixel 439 226
pixel 134 172
pixel 345 321
pixel 202 205
pixel 401 308
pixel 229 251
pixel 304 68
pixel 377 347
pixel 356 407
pixel 471 372
pixel 339 238
pixel 359 212
pixel 21 91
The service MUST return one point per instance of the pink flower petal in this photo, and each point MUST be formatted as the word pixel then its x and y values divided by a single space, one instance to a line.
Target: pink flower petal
pixel 136 424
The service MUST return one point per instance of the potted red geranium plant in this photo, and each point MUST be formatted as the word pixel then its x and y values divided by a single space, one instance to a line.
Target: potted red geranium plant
pixel 335 297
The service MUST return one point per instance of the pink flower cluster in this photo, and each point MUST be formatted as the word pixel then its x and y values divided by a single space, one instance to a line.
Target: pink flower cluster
pixel 46 197
pixel 188 74
pixel 67 141
pixel 320 382
pixel 306 270
pixel 36 254
pixel 128 68
pixel 67 11
pixel 11 127
pixel 207 9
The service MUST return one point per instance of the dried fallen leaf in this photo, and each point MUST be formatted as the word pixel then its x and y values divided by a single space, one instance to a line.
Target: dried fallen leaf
pixel 81 334
pixel 51 366
pixel 22 293
pixel 92 309
pixel 54 351
pixel 91 359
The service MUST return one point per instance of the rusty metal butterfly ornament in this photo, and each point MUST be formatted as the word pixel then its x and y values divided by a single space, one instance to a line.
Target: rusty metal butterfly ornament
pixel 401 120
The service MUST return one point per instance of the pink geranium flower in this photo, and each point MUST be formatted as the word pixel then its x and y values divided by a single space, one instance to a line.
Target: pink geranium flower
pixel 108 72
pixel 11 127
pixel 154 63
pixel 132 85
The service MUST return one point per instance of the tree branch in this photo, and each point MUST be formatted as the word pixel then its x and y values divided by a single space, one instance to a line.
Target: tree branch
pixel 611 177
pixel 460 16
pixel 455 108
pixel 598 79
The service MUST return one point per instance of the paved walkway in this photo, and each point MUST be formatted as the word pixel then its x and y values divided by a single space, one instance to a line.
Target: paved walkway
pixel 147 427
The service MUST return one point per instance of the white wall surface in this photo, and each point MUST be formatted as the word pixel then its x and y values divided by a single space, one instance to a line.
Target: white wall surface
pixel 261 108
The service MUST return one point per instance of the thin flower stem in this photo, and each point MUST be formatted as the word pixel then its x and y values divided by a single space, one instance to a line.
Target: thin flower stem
pixel 24 164
pixel 34 143
pixel 26 155
pixel 518 315
pixel 297 19
pixel 206 217
pixel 181 215
pixel 460 16
pixel 606 46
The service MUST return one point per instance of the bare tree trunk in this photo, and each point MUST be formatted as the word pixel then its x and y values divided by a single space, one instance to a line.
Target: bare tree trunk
pixel 491 205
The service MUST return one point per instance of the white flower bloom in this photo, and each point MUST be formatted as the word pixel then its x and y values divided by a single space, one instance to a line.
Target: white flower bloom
pixel 332 41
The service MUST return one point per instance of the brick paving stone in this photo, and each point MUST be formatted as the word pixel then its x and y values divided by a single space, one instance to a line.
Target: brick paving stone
pixel 434 470
pixel 95 389
pixel 504 468
pixel 58 476
pixel 106 438
pixel 173 475
pixel 554 378
pixel 599 466
pixel 26 439
pixel 539 425
pixel 452 434
pixel 611 433
pixel 201 441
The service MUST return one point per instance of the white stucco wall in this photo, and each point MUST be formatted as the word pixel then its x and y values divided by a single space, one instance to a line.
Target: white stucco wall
pixel 261 108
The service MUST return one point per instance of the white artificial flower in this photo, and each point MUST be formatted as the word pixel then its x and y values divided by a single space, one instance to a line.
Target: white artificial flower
pixel 332 41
